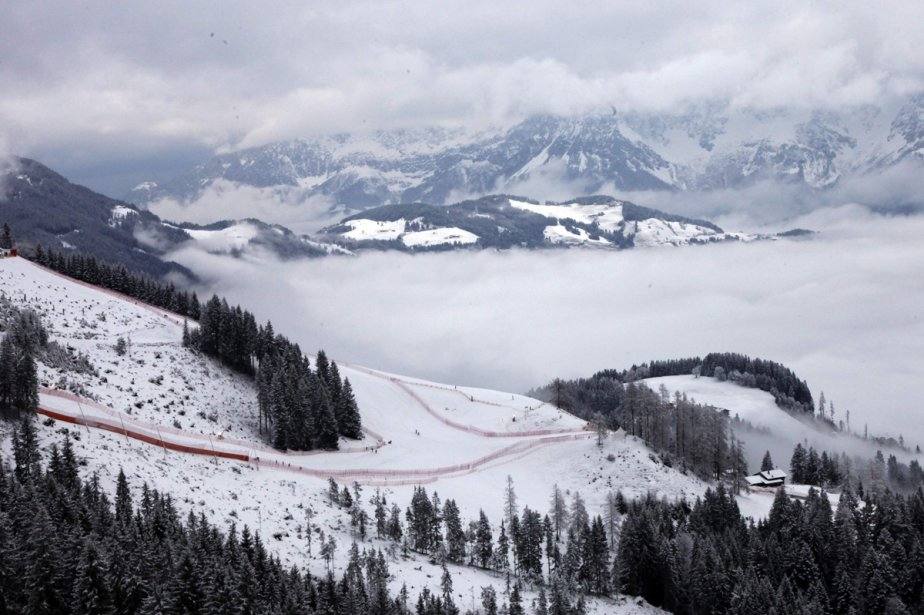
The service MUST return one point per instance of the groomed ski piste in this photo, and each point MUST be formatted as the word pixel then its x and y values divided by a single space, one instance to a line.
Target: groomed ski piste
pixel 184 424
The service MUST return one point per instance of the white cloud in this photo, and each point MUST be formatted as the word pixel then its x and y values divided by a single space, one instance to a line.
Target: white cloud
pixel 843 310
pixel 8 165
pixel 242 75
pixel 226 200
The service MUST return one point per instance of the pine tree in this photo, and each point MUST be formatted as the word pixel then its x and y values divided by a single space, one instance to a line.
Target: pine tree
pixel 6 237
pixel 484 546
pixel 446 585
pixel 42 579
pixel 767 463
pixel 455 536
pixel 24 388
pixel 91 591
pixel 542 605
pixel 510 502
pixel 516 603
pixel 7 375
pixel 347 412
pixel 502 553
pixel 489 600
pixel 123 502
pixel 325 422
pixel 559 511
pixel 797 465
pixel 26 451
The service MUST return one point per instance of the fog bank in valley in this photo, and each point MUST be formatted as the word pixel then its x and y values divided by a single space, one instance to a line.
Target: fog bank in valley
pixel 844 310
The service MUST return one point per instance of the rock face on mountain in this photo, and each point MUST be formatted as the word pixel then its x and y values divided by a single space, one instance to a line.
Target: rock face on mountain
pixel 502 222
pixel 702 148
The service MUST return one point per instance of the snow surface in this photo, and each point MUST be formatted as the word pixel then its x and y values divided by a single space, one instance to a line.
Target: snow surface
pixel 654 232
pixel 608 216
pixel 438 236
pixel 561 235
pixel 363 229
pixel 461 441
pixel 234 237
pixel 752 405
pixel 119 213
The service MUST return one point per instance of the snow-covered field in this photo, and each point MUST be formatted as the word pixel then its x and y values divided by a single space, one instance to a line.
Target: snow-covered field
pixel 609 217
pixel 462 442
pixel 438 237
pixel 234 237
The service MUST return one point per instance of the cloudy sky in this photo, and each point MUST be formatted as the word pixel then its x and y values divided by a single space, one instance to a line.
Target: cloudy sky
pixel 111 93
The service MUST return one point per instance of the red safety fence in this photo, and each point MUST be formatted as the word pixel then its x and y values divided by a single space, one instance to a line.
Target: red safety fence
pixel 379 441
pixel 418 475
pixel 365 475
pixel 142 437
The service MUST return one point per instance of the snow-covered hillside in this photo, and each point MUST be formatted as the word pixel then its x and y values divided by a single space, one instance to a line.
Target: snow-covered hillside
pixel 251 237
pixel 501 221
pixel 773 429
pixel 461 441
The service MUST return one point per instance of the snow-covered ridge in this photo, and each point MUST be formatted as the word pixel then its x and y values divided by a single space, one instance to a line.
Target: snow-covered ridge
pixel 120 213
pixel 439 237
pixel 251 237
pixel 376 230
pixel 607 216
pixel 504 222
pixel 235 237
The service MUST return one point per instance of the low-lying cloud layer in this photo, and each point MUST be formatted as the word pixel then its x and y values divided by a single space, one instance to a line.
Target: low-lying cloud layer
pixel 289 206
pixel 844 310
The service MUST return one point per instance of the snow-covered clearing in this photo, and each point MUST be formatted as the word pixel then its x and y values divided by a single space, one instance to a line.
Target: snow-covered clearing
pixel 654 232
pixel 560 234
pixel 608 216
pixel 461 441
pixel 234 237
pixel 438 237
pixel 363 229
pixel 758 408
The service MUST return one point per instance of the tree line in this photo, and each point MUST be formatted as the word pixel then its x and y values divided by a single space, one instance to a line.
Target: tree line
pixel 687 435
pixel 119 278
pixel 788 390
pixel 826 469
pixel 300 408
pixel 867 558
pixel 22 337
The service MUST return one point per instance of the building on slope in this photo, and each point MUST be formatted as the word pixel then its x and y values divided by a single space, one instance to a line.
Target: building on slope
pixel 767 478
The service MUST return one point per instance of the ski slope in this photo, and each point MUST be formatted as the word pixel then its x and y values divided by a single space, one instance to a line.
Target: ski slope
pixel 417 431
pixel 184 424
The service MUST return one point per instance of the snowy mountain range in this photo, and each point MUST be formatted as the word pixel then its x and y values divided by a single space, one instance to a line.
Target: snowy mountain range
pixel 46 209
pixel 703 148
